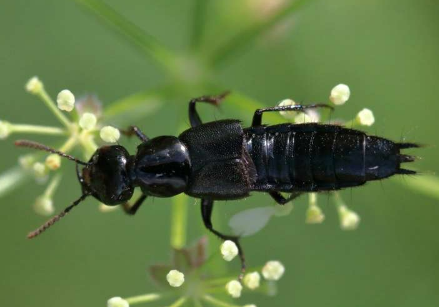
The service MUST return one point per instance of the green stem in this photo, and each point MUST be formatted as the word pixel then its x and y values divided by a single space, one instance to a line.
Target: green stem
pixel 147 44
pixel 144 298
pixel 52 106
pixel 217 302
pixel 179 302
pixel 246 37
pixel 199 18
pixel 18 128
pixel 179 221
pixel 424 184
pixel 54 183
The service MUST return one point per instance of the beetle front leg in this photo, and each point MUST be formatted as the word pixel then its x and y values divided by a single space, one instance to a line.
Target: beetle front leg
pixel 257 117
pixel 206 213
pixel 194 118
pixel 282 200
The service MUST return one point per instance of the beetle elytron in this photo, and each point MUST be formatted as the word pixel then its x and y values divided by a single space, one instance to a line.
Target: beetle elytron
pixel 221 160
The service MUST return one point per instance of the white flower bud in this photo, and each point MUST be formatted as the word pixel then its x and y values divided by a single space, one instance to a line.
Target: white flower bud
pixel 88 121
pixel 44 206
pixel 287 114
pixel 229 250
pixel 175 278
pixel 234 288
pixel 34 85
pixel 314 215
pixel 26 162
pixel 340 94
pixel 365 117
pixel 5 129
pixel 105 208
pixel 39 169
pixel 303 118
pixel 250 305
pixel 53 162
pixel 251 280
pixel 349 220
pixel 117 302
pixel 110 134
pixel 273 270
pixel 65 100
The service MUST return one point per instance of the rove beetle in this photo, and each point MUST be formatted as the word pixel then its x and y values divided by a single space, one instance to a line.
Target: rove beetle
pixel 221 160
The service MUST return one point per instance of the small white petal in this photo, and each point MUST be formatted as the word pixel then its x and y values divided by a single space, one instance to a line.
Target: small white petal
pixel 340 94
pixel 234 288
pixel 66 100
pixel 349 220
pixel 365 117
pixel 175 278
pixel 5 129
pixel 44 206
pixel 252 280
pixel 273 270
pixel 287 114
pixel 53 162
pixel 117 302
pixel 229 250
pixel 283 210
pixel 34 85
pixel 88 121
pixel 110 134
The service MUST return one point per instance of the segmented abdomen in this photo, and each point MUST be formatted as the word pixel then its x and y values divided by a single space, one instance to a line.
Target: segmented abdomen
pixel 315 157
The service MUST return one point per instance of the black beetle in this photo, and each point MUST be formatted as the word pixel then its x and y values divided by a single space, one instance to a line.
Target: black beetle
pixel 221 160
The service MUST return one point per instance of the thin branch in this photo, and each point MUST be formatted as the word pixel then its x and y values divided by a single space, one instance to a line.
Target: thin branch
pixel 147 44
pixel 245 38
pixel 198 24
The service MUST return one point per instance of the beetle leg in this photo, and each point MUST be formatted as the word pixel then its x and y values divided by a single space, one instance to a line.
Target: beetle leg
pixel 206 213
pixel 194 118
pixel 257 117
pixel 131 210
pixel 134 130
pixel 282 200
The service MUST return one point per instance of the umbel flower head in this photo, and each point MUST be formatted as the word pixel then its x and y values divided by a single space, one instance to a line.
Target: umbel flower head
pixel 80 133
pixel 186 280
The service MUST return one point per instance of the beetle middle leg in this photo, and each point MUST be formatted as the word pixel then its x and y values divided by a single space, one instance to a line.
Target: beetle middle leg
pixel 131 210
pixel 281 200
pixel 194 118
pixel 206 213
pixel 257 117
pixel 134 130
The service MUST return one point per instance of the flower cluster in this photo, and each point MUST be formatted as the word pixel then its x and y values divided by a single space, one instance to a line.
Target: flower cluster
pixel 186 280
pixel 81 124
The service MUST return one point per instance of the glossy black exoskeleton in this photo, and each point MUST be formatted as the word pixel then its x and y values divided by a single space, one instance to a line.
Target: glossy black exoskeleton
pixel 221 160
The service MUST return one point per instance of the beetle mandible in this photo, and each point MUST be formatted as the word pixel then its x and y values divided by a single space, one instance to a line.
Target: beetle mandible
pixel 221 160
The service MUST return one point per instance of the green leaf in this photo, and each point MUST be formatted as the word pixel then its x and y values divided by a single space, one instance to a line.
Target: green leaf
pixel 198 23
pixel 133 107
pixel 143 41
pixel 242 40
pixel 12 179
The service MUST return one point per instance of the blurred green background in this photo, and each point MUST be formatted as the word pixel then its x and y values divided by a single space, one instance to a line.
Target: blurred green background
pixel 386 51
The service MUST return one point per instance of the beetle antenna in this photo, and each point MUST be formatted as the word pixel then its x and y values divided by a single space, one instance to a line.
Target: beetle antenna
pixel 55 219
pixel 38 146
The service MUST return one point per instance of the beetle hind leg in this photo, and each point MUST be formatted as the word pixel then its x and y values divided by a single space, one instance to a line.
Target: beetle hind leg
pixel 206 213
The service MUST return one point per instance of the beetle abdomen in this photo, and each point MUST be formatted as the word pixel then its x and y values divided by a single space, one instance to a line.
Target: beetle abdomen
pixel 315 157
